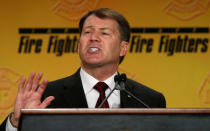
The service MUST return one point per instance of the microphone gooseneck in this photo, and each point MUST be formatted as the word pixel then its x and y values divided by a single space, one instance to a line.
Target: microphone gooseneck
pixel 122 79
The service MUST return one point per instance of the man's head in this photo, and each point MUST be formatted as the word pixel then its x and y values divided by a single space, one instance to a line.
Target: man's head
pixel 123 25
pixel 104 35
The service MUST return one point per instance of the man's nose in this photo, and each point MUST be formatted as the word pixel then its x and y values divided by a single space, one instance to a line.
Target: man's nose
pixel 94 36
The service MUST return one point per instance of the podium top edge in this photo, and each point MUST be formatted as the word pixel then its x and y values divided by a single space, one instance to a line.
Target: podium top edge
pixel 117 111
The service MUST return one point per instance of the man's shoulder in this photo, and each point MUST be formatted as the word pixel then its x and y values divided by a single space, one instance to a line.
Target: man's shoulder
pixel 66 80
pixel 137 85
pixel 148 95
pixel 61 81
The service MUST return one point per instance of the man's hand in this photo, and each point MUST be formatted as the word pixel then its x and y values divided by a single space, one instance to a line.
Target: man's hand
pixel 29 96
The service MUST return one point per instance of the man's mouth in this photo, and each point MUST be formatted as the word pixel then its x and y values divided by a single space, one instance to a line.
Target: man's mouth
pixel 94 49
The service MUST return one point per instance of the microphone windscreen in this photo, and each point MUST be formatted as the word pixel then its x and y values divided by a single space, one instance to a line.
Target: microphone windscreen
pixel 116 78
pixel 123 77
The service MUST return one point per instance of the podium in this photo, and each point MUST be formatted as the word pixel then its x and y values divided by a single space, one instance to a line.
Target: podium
pixel 115 120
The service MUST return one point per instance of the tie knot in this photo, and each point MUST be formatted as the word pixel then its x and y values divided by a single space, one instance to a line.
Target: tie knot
pixel 101 87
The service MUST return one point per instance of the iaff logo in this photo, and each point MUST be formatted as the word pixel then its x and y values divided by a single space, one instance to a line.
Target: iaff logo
pixel 187 9
pixel 8 89
pixel 204 92
pixel 73 9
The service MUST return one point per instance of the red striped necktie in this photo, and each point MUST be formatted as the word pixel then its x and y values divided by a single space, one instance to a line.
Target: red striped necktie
pixel 101 88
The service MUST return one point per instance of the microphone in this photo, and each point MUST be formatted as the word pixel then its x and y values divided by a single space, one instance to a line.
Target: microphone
pixel 121 82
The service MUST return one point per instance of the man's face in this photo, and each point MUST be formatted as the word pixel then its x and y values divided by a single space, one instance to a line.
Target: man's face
pixel 100 42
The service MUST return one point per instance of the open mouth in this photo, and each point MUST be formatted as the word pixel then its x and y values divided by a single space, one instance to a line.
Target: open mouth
pixel 94 49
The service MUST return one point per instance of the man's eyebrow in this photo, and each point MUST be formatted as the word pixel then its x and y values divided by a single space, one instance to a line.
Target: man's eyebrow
pixel 105 28
pixel 90 26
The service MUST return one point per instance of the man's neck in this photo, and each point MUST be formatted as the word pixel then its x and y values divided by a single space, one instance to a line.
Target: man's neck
pixel 100 73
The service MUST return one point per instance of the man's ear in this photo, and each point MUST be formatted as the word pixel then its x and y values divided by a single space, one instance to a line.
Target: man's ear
pixel 123 48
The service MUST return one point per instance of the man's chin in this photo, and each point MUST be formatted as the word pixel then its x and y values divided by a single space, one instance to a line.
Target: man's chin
pixel 93 64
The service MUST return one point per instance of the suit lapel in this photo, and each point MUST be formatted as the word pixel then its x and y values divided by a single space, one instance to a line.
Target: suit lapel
pixel 126 100
pixel 73 92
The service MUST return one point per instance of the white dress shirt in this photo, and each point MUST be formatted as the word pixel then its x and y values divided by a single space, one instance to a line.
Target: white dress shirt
pixel 88 82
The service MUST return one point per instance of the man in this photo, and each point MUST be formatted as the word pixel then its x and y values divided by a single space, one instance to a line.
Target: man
pixel 104 37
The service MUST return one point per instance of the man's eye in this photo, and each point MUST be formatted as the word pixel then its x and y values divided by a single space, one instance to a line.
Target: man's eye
pixel 104 33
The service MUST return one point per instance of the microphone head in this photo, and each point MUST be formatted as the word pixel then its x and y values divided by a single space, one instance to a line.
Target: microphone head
pixel 116 78
pixel 123 77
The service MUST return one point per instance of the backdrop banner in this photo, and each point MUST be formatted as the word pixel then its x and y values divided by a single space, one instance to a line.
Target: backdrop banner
pixel 168 48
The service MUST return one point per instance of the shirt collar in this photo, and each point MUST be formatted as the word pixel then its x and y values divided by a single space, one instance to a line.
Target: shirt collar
pixel 89 81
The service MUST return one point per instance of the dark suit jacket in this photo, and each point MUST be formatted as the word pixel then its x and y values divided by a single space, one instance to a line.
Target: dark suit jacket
pixel 69 93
